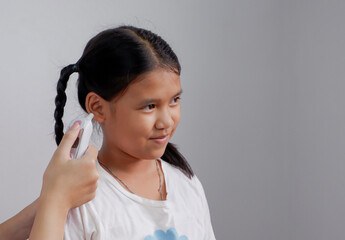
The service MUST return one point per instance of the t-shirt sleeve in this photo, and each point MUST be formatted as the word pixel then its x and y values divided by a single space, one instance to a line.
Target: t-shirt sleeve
pixel 206 213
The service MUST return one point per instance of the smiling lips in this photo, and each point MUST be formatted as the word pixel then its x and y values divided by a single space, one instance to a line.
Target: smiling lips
pixel 161 139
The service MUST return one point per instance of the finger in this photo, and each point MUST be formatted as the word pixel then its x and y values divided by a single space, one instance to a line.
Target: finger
pixel 90 153
pixel 69 138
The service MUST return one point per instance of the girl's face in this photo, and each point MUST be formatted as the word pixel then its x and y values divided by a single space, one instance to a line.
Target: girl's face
pixel 149 108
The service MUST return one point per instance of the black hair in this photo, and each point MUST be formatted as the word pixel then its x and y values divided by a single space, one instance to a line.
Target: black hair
pixel 112 60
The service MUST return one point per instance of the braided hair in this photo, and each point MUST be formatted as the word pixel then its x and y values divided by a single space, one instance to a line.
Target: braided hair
pixel 60 100
pixel 112 60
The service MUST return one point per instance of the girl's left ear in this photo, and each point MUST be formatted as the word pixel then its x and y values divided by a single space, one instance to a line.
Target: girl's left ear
pixel 96 104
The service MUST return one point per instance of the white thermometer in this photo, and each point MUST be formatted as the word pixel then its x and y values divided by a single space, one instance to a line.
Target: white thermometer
pixel 82 142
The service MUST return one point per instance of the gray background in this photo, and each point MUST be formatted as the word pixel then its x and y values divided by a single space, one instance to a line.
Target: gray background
pixel 263 109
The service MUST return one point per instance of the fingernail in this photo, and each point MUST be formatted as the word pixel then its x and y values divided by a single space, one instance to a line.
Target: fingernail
pixel 76 124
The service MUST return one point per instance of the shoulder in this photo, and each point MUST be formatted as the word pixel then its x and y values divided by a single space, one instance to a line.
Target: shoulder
pixel 177 177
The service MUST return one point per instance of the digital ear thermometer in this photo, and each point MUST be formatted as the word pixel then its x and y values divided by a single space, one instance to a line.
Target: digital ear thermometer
pixel 82 142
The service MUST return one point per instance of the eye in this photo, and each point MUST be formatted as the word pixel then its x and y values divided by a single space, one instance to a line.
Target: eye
pixel 150 105
pixel 177 99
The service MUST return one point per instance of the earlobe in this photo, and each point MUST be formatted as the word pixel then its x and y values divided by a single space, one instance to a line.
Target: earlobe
pixel 95 104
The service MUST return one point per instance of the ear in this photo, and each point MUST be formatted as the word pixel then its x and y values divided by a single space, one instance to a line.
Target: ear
pixel 97 105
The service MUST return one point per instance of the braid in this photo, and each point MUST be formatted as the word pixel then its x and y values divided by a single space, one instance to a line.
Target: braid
pixel 60 100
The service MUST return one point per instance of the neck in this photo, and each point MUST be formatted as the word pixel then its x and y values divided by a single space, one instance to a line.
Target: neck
pixel 124 163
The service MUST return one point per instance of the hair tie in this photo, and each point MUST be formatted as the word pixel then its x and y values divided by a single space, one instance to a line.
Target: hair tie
pixel 75 68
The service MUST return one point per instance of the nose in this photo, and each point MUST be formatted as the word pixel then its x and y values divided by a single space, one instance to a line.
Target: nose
pixel 164 119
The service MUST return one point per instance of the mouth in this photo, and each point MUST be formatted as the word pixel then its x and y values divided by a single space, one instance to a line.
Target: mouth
pixel 161 139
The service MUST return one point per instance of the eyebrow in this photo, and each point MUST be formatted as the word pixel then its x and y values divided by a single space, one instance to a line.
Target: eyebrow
pixel 147 101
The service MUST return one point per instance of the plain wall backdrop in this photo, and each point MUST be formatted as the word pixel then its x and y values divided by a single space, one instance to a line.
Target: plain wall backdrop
pixel 263 108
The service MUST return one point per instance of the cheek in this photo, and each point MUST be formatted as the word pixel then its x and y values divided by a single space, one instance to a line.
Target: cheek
pixel 138 126
pixel 123 127
pixel 176 118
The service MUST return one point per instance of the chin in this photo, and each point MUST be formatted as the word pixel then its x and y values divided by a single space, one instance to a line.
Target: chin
pixel 157 154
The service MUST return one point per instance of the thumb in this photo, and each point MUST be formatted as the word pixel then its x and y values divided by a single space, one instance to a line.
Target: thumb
pixel 68 139
pixel 91 153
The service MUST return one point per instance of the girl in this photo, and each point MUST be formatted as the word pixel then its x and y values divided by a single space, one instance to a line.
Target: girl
pixel 129 78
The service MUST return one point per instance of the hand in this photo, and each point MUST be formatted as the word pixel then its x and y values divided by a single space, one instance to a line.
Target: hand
pixel 67 184
pixel 70 182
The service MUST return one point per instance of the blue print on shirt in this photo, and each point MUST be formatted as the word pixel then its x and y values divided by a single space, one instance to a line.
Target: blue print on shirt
pixel 171 234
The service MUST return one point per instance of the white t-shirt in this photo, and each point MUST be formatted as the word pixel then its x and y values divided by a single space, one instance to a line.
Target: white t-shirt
pixel 117 214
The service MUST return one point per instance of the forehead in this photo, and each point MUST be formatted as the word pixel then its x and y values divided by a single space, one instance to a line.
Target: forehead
pixel 157 83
